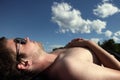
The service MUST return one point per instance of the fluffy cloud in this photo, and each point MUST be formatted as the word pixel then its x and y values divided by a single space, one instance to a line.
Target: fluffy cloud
pixel 51 47
pixel 108 33
pixel 95 39
pixel 105 0
pixel 106 9
pixel 70 20
pixel 117 33
pixel 116 39
pixel 116 36
pixel 56 46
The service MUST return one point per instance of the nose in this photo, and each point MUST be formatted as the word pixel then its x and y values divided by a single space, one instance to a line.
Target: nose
pixel 27 39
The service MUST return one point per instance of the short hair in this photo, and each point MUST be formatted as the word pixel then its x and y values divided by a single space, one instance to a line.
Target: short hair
pixel 8 64
pixel 8 70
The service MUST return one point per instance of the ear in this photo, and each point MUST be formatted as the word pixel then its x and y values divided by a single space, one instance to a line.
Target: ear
pixel 24 65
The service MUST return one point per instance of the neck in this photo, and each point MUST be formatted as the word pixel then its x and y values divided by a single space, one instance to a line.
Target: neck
pixel 45 61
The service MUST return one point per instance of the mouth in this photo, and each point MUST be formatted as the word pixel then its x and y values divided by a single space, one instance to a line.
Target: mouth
pixel 32 41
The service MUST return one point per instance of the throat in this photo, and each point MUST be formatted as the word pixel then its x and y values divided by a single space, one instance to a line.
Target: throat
pixel 48 62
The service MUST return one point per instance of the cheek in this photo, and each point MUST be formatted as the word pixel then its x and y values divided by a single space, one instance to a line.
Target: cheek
pixel 31 48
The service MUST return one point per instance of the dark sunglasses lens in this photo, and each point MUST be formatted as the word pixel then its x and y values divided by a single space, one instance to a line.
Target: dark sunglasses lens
pixel 20 40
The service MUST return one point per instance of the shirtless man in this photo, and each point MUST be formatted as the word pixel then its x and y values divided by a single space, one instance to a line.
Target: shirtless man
pixel 79 60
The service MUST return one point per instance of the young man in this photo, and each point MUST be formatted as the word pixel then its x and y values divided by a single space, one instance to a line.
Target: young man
pixel 79 60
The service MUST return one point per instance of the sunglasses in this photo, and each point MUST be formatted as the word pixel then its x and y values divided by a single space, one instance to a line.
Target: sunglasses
pixel 19 41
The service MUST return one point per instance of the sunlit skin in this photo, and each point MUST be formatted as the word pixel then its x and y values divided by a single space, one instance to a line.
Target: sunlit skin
pixel 70 63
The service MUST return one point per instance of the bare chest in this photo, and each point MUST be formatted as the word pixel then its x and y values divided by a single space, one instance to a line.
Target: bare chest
pixel 62 70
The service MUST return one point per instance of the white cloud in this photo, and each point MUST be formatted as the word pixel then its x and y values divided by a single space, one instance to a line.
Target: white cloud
pixel 98 25
pixel 70 20
pixel 108 33
pixel 51 47
pixel 116 39
pixel 116 36
pixel 95 39
pixel 55 46
pixel 117 33
pixel 105 1
pixel 106 9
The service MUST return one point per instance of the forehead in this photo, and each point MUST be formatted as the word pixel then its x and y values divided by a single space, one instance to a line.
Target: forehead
pixel 11 44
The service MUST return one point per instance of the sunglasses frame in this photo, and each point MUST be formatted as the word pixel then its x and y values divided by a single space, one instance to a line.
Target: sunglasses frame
pixel 18 42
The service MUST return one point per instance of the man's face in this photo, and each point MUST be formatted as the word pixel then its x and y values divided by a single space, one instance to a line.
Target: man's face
pixel 31 49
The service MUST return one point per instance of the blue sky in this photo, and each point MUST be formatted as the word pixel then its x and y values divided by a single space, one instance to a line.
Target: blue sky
pixel 56 22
